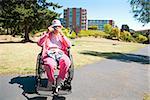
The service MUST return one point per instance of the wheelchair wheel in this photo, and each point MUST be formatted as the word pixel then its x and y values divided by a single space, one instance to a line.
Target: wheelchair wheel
pixel 67 82
pixel 71 70
pixel 39 69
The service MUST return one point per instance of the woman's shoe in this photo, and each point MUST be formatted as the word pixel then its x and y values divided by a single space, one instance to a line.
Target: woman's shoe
pixel 59 85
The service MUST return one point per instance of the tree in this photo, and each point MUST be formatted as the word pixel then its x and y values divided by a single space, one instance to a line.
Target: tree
pixel 107 28
pixel 141 10
pixel 126 36
pixel 124 27
pixel 115 33
pixel 26 15
pixel 141 39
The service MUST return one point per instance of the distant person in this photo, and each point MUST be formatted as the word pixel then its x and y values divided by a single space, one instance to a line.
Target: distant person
pixel 55 45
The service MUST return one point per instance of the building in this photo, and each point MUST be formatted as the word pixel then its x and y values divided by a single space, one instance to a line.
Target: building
pixel 62 21
pixel 75 18
pixel 145 31
pixel 100 23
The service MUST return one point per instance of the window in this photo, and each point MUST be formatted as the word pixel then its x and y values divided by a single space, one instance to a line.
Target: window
pixel 77 17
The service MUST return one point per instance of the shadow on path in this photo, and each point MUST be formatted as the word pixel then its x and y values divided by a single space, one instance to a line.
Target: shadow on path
pixel 11 42
pixel 124 57
pixel 55 97
pixel 27 83
pixel 37 98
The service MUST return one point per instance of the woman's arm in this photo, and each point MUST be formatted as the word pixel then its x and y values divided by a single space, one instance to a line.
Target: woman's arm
pixel 42 39
pixel 45 35
pixel 66 41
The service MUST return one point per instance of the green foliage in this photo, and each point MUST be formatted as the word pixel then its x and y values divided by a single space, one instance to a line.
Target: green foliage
pixel 126 36
pixel 107 28
pixel 141 10
pixel 115 32
pixel 67 31
pixel 33 32
pixel 94 27
pixel 136 34
pixel 140 38
pixel 42 30
pixel 24 16
pixel 83 33
pixel 95 33
pixel 146 96
pixel 2 31
pixel 72 35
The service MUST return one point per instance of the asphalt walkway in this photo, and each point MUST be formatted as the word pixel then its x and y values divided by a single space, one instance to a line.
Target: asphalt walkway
pixel 120 77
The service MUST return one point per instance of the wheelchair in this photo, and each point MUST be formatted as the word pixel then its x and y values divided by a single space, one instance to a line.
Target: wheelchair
pixel 40 73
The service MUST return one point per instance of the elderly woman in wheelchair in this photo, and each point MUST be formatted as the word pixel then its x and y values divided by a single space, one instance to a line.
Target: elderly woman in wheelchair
pixel 54 53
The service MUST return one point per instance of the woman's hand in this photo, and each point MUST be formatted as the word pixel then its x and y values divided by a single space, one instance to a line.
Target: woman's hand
pixel 50 29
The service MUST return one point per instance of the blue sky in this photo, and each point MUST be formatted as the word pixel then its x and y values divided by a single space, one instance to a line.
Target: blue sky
pixel 117 10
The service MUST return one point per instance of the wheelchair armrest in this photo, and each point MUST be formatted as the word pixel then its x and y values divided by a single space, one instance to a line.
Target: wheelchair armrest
pixel 69 53
pixel 68 50
pixel 68 47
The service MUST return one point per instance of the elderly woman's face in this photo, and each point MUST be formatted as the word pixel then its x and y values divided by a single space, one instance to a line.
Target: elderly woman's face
pixel 57 29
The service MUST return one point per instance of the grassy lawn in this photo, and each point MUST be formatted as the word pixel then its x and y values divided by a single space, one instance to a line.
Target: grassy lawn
pixel 20 58
pixel 146 96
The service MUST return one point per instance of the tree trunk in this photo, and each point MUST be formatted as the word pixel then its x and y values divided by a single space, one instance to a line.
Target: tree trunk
pixel 11 30
pixel 26 37
pixel 7 31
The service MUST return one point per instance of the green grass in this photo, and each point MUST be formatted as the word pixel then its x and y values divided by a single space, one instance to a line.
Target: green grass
pixel 20 58
pixel 146 96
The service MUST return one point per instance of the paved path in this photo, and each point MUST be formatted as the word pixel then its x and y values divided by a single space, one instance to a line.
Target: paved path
pixel 121 77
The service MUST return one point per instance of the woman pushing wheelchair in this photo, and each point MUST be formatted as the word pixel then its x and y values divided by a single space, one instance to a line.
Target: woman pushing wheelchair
pixel 55 44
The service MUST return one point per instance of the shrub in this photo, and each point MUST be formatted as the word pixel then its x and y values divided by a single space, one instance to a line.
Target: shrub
pixel 2 31
pixel 126 36
pixel 141 39
pixel 42 30
pixel 107 28
pixel 83 33
pixel 72 35
pixel 94 27
pixel 33 32
pixel 67 31
pixel 115 32
pixel 95 33
pixel 135 34
pixel 100 34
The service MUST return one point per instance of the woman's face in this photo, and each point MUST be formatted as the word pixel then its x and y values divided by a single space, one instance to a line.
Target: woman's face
pixel 57 29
